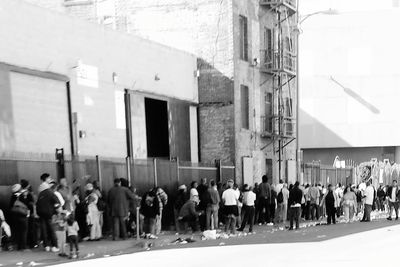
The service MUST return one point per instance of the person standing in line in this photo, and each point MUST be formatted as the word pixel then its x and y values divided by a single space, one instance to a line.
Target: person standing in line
pixel 349 203
pixel 331 202
pixel 369 194
pixel 193 189
pixel 20 212
pixel 393 200
pixel 248 209
pixel 313 196
pixel 295 197
pixel 60 228
pixel 265 200
pixel 381 195
pixel 204 197
pixel 47 205
pixel 72 233
pixel 230 200
pixel 285 193
pixel 213 207
pixel 118 199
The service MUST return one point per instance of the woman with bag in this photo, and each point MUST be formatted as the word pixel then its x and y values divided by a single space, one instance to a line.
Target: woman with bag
pixel 19 216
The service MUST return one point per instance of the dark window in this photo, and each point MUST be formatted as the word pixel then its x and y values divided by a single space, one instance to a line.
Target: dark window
pixel 269 47
pixel 268 112
pixel 244 101
pixel 157 132
pixel 268 165
pixel 288 107
pixel 243 38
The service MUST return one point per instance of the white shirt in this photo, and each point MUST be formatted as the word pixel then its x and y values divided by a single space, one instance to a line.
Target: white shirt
pixel 229 196
pixel 393 196
pixel 249 198
pixel 369 195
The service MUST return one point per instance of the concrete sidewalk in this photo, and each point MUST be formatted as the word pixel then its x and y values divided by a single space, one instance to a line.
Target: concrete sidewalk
pixel 263 234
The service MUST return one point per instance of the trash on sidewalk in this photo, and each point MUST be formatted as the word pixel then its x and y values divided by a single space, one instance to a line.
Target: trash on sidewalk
pixel 183 241
pixel 210 235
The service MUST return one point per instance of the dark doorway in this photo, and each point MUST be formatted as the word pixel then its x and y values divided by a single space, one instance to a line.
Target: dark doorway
pixel 157 128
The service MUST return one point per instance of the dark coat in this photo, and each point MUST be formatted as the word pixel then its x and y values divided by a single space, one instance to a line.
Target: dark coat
pixel 118 200
pixel 389 192
pixel 47 204
pixel 295 196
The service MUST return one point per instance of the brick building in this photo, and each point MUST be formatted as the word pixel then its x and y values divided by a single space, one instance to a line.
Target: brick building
pixel 246 66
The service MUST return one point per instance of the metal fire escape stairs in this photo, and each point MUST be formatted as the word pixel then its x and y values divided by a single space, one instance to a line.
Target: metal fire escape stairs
pixel 281 67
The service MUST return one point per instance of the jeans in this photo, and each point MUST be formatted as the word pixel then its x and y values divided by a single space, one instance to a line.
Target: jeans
pixel 395 206
pixel 119 227
pixel 158 223
pixel 230 223
pixel 248 217
pixel 73 242
pixel 295 213
pixel 314 211
pixel 48 233
pixel 264 210
pixel 212 216
pixel 348 211
pixel 331 213
pixel 367 212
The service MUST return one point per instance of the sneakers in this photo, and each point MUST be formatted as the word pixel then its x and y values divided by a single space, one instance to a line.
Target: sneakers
pixel 54 249
pixel 270 224
pixel 47 249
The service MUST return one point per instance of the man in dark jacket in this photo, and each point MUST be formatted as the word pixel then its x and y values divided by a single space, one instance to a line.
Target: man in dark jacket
pixel 295 196
pixel 150 209
pixel 118 200
pixel 265 200
pixel 46 206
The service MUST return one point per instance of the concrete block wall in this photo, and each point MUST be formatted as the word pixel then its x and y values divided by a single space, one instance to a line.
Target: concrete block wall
pixel 31 40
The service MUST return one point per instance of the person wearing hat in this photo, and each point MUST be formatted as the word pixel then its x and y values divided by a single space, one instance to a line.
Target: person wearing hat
pixel 230 200
pixel 189 215
pixel 19 216
pixel 33 220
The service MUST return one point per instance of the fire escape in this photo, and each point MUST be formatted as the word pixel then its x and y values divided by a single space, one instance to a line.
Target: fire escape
pixel 279 65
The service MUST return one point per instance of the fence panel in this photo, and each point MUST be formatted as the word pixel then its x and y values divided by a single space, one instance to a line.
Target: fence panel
pixel 111 170
pixel 189 171
pixel 227 172
pixel 143 175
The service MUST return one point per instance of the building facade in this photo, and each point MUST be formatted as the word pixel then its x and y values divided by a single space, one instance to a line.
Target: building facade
pixel 349 86
pixel 246 72
pixel 75 85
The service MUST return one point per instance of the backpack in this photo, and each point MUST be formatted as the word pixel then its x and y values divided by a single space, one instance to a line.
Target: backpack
pixel 279 198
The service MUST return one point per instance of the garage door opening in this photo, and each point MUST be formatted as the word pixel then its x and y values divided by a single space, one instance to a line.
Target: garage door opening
pixel 157 128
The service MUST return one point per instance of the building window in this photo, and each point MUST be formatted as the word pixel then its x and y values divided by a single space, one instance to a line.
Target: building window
pixel 243 38
pixel 244 105
pixel 268 112
pixel 269 47
pixel 288 107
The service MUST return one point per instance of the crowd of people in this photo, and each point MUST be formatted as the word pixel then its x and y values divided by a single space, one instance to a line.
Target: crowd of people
pixel 59 215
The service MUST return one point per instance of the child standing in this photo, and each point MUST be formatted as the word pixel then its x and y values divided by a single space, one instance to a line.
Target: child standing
pixel 72 231
pixel 60 227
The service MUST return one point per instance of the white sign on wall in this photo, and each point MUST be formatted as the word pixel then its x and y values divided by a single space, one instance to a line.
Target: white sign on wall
pixel 87 75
